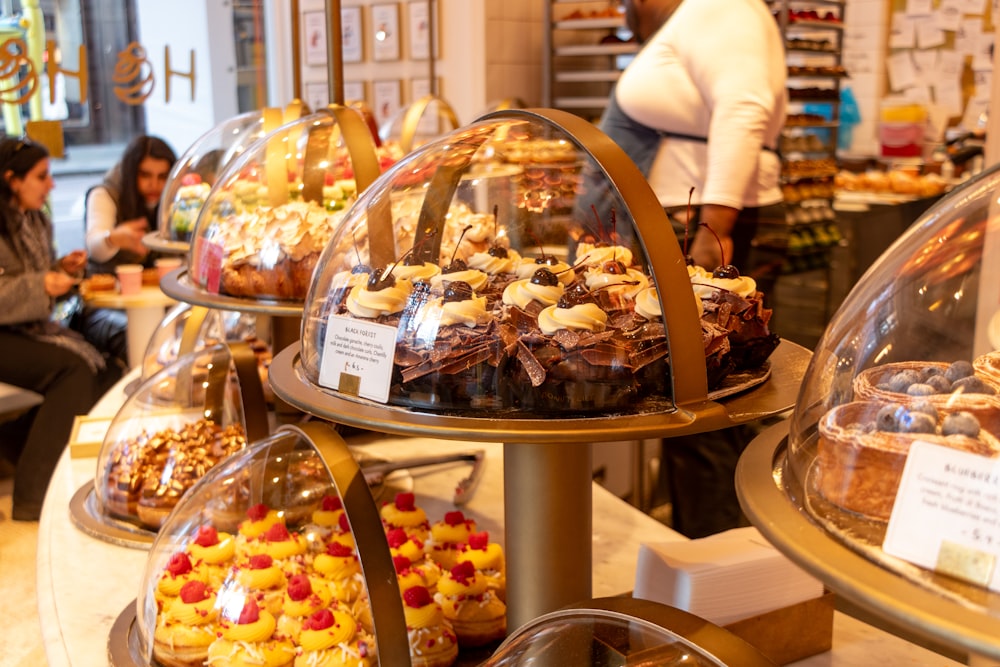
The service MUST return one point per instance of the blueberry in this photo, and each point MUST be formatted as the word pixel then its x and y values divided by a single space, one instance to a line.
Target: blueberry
pixel 972 385
pixel 916 422
pixel 926 407
pixel 958 370
pixel 940 383
pixel 960 423
pixel 887 418
pixel 929 372
pixel 903 379
pixel 920 389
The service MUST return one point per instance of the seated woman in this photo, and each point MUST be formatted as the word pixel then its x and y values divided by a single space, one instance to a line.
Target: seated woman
pixel 119 212
pixel 38 354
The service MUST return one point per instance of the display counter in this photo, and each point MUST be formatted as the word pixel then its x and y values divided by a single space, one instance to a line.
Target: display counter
pixel 84 583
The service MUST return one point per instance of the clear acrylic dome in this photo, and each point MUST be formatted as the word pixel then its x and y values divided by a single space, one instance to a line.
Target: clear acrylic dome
pixel 908 358
pixel 273 208
pixel 451 287
pixel 174 427
pixel 425 119
pixel 186 328
pixel 194 173
pixel 624 631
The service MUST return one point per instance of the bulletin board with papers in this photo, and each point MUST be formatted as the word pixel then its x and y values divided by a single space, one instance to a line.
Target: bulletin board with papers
pixel 940 54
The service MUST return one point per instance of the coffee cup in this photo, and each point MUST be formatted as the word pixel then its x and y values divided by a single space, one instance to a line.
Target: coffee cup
pixel 129 278
pixel 165 265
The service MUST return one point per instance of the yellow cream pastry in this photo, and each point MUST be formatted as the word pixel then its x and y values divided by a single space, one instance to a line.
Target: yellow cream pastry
pixel 250 639
pixel 178 572
pixel 432 641
pixel 476 613
pixel 213 551
pixel 578 317
pixel 402 543
pixel 331 638
pixel 259 518
pixel 261 576
pixel 329 513
pixel 426 573
pixel 304 595
pixel 448 536
pixel 404 513
pixel 184 632
pixel 288 549
pixel 340 568
pixel 488 559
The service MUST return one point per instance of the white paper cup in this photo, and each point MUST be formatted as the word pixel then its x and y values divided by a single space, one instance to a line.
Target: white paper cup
pixel 165 265
pixel 129 278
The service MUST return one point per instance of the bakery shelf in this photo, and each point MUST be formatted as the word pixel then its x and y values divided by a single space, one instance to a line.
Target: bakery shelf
pixel 581 102
pixel 817 25
pixel 590 23
pixel 625 48
pixel 584 76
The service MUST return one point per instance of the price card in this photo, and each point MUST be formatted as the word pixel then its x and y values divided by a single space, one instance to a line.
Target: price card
pixel 947 515
pixel 208 272
pixel 357 358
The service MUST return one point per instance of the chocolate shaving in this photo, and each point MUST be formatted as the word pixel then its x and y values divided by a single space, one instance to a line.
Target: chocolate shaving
pixel 534 369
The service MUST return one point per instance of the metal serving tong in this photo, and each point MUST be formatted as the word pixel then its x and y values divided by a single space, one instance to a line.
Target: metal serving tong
pixel 376 472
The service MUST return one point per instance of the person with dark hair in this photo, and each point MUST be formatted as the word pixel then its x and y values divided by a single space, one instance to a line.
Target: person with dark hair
pixel 119 213
pixel 38 353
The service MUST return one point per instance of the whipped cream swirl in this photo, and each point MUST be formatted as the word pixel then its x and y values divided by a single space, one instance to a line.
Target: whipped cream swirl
pixel 425 271
pixel 363 302
pixel 527 267
pixel 581 317
pixel 628 284
pixel 476 278
pixel 706 286
pixel 487 263
pixel 592 255
pixel 522 292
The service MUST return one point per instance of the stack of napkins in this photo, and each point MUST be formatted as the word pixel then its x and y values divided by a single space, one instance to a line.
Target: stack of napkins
pixel 722 578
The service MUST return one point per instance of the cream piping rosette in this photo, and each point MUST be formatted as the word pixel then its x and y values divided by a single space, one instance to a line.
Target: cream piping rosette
pixel 369 303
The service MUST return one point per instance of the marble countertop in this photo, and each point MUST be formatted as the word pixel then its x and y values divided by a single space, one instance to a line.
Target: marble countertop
pixel 85 583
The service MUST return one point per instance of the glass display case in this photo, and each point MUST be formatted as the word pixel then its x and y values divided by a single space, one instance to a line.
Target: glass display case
pixel 886 475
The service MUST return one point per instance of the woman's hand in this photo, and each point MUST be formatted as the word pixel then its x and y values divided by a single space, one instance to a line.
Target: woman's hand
pixel 58 283
pixel 74 262
pixel 712 250
pixel 128 235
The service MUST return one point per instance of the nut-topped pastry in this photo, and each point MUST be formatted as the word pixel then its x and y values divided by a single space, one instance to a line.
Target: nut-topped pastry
pixel 332 638
pixel 478 616
pixel 186 630
pixel 432 640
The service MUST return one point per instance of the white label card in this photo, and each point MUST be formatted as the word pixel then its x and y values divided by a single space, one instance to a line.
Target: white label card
pixel 357 358
pixel 947 515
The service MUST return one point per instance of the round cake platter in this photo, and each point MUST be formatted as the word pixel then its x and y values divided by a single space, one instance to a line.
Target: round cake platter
pixel 855 571
pixel 178 285
pixel 155 241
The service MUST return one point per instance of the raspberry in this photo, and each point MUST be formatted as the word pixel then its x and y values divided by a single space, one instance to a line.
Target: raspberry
pixel 405 501
pixel 343 523
pixel 401 563
pixel 320 620
pixel 416 597
pixel 179 564
pixel 479 540
pixel 463 572
pixel 260 562
pixel 339 550
pixel 299 587
pixel 455 518
pixel 257 512
pixel 277 533
pixel 397 537
pixel 250 612
pixel 207 536
pixel 194 591
pixel 332 503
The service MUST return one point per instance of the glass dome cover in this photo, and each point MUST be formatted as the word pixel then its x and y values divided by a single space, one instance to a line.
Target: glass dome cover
pixel 273 208
pixel 245 563
pixel 194 173
pixel 439 268
pixel 177 424
pixel 903 388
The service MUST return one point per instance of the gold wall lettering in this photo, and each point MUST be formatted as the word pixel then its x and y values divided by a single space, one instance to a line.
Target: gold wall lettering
pixel 18 78
pixel 189 75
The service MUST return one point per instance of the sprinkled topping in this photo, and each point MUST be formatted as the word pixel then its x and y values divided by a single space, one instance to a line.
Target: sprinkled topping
pixel 416 597
pixel 179 564
pixel 260 562
pixel 194 591
pixel 207 536
pixel 257 512
pixel 299 587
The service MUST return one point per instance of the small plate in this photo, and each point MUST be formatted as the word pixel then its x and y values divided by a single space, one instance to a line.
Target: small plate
pixel 155 242
pixel 735 383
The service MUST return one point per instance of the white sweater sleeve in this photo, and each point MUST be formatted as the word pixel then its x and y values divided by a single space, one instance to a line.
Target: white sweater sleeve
pixel 100 216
